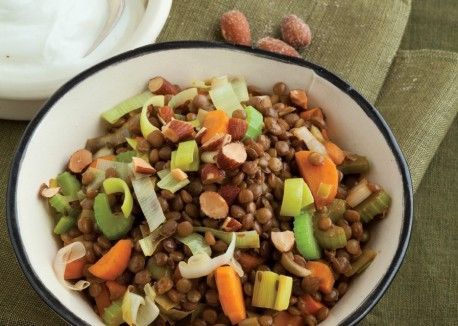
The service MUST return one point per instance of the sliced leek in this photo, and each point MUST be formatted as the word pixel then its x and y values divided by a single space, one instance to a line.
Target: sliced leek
pixel 126 106
pixel 146 126
pixel 114 185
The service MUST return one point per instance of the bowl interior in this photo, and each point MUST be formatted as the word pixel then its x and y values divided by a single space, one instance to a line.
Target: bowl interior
pixel 73 115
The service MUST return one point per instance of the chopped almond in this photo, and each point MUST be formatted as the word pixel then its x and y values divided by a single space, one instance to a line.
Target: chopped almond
pixel 231 225
pixel 141 166
pixel 210 173
pixel 213 205
pixel 179 174
pixel 283 241
pixel 229 192
pixel 79 160
pixel 165 114
pixel 161 86
pixel 237 128
pixel 49 192
pixel 217 141
pixel 231 156
pixel 200 134
pixel 177 130
pixel 299 97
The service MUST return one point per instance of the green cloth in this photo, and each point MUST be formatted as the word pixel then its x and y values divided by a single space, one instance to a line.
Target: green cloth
pixel 415 91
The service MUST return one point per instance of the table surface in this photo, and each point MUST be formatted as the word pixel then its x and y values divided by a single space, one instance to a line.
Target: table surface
pixel 424 291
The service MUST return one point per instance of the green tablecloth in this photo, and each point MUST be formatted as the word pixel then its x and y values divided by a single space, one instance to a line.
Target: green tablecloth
pixel 414 89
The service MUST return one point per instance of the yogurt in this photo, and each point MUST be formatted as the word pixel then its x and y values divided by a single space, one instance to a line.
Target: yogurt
pixel 49 32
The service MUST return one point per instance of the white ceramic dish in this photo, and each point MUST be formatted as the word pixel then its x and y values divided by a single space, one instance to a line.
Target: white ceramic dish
pixel 73 114
pixel 24 90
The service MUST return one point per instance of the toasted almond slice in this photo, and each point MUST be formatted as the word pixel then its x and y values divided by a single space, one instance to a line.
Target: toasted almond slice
pixel 179 174
pixel 237 128
pixel 213 205
pixel 283 241
pixel 49 192
pixel 231 156
pixel 210 173
pixel 79 160
pixel 217 141
pixel 165 114
pixel 231 225
pixel 200 134
pixel 160 86
pixel 229 192
pixel 177 130
pixel 141 166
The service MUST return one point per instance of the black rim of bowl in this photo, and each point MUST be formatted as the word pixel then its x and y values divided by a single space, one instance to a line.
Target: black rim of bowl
pixel 53 302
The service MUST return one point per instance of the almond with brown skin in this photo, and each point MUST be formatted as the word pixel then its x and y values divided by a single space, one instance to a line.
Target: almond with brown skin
pixel 229 192
pixel 79 160
pixel 49 192
pixel 260 102
pixel 213 205
pixel 235 28
pixel 200 134
pixel 231 156
pixel 141 166
pixel 237 128
pixel 210 173
pixel 160 86
pixel 295 32
pixel 177 130
pixel 216 142
pixel 299 98
pixel 231 225
pixel 165 114
pixel 278 46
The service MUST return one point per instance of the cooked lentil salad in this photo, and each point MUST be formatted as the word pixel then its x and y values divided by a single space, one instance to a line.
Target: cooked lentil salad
pixel 217 204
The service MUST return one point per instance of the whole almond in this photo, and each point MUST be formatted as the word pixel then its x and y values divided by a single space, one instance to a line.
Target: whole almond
pixel 278 46
pixel 235 28
pixel 295 32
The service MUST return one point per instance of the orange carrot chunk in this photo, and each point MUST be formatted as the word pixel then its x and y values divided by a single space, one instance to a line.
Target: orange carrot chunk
pixel 311 305
pixel 334 152
pixel 102 300
pixel 322 272
pixel 215 122
pixel 114 262
pixel 230 294
pixel 116 290
pixel 74 270
pixel 317 176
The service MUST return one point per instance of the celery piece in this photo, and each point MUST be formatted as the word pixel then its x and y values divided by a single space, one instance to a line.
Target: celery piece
pixel 162 173
pixel 146 126
pixel 224 98
pixel 195 123
pixel 65 224
pixel 255 122
pixel 182 97
pixel 113 226
pixel 265 289
pixel 69 184
pixel 244 239
pixel 112 315
pixel 336 209
pixel 59 203
pixel 240 88
pixel 195 243
pixel 155 271
pixel 296 195
pixel 186 157
pixel 171 184
pixel 333 238
pixel 357 166
pixel 363 261
pixel 125 157
pixel 305 240
pixel 375 204
pixel 126 106
pixel 113 185
pixel 285 287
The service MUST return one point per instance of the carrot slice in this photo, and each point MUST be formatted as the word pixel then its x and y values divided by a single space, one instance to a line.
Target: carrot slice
pixel 102 300
pixel 315 175
pixel 311 305
pixel 322 272
pixel 312 113
pixel 116 290
pixel 230 294
pixel 114 262
pixel 74 270
pixel 285 318
pixel 107 158
pixel 334 152
pixel 215 122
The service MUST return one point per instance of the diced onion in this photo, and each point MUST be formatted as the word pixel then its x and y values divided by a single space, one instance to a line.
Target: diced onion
pixel 66 255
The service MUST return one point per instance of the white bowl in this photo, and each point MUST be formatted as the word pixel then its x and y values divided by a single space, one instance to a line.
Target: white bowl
pixel 24 88
pixel 73 114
